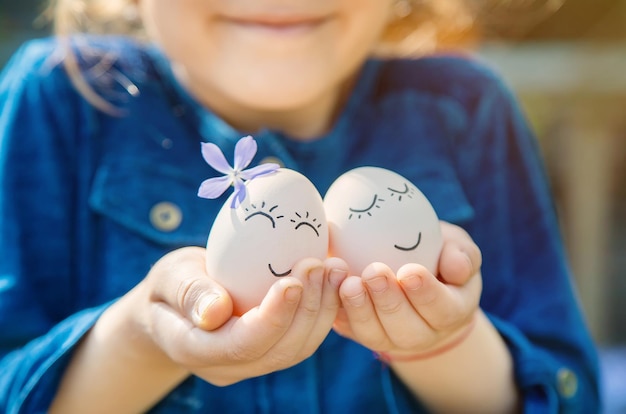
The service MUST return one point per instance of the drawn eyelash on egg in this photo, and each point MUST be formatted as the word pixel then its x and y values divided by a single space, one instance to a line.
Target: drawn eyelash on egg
pixel 360 212
pixel 305 221
pixel 407 191
pixel 261 212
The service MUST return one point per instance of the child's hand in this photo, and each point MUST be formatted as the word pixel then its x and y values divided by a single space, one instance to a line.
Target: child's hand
pixel 189 317
pixel 414 312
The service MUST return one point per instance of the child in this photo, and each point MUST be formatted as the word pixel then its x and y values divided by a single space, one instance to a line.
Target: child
pixel 105 304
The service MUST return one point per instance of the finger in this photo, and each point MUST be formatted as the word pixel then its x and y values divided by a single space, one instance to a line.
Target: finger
pixel 298 335
pixel 259 329
pixel 177 336
pixel 335 272
pixel 179 279
pixel 361 314
pixel 441 306
pixel 247 347
pixel 396 314
pixel 460 257
pixel 341 324
pixel 239 340
pixel 455 266
pixel 291 347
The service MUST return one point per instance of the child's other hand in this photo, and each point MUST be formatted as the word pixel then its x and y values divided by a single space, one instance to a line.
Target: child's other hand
pixel 414 312
pixel 189 317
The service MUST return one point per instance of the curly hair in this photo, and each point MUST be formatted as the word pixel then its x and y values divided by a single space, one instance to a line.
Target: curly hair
pixel 94 16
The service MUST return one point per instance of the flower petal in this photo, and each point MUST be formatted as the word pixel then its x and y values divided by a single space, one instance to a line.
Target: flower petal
pixel 244 152
pixel 262 169
pixel 213 155
pixel 239 195
pixel 214 187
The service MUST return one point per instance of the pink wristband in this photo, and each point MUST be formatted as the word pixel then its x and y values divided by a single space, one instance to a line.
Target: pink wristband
pixel 388 358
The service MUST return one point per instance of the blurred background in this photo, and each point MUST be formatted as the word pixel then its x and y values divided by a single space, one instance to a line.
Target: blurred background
pixel 566 60
pixel 568 67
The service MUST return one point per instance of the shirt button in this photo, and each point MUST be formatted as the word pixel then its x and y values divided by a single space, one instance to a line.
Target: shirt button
pixel 274 160
pixel 567 383
pixel 166 216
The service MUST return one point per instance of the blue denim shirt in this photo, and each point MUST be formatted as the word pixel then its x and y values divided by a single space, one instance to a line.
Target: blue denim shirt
pixel 87 199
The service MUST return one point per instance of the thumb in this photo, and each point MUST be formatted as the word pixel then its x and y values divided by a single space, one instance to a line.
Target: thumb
pixel 185 287
pixel 460 257
pixel 212 308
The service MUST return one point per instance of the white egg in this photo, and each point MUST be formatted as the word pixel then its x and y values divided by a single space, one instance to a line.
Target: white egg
pixel 280 221
pixel 376 215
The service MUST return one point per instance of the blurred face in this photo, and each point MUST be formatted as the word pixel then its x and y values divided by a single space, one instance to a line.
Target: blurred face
pixel 266 59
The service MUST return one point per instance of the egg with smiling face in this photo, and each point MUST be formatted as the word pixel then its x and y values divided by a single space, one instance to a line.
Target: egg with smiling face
pixel 250 247
pixel 376 215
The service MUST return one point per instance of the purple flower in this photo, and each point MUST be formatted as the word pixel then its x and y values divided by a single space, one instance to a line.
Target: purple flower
pixel 236 176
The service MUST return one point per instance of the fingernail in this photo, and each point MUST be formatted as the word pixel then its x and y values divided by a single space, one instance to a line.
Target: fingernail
pixel 293 293
pixel 337 276
pixel 378 284
pixel 411 282
pixel 357 300
pixel 203 305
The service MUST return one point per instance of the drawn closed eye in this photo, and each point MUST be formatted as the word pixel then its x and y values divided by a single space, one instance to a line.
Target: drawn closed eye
pixel 304 221
pixel 261 213
pixel 360 212
pixel 408 191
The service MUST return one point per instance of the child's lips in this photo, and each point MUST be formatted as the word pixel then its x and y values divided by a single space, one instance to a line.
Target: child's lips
pixel 278 24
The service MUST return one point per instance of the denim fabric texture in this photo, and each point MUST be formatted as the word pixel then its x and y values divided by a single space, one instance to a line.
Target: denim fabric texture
pixel 77 188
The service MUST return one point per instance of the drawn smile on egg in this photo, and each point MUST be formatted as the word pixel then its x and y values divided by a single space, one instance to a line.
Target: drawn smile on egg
pixel 276 273
pixel 408 249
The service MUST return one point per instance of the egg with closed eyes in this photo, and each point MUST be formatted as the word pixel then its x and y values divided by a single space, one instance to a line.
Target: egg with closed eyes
pixel 377 215
pixel 280 221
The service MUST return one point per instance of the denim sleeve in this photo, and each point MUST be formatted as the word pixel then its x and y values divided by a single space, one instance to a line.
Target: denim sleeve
pixel 31 374
pixel 528 292
pixel 38 120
